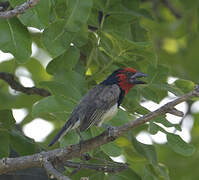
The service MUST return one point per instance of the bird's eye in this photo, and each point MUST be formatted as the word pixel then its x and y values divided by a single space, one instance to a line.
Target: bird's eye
pixel 129 74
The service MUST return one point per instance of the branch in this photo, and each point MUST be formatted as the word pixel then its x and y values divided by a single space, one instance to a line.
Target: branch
pixel 52 172
pixel 176 112
pixel 69 152
pixel 170 6
pixel 18 9
pixel 114 168
pixel 10 79
pixel 167 4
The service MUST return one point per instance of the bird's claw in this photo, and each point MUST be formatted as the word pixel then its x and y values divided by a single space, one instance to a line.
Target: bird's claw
pixel 112 132
pixel 86 157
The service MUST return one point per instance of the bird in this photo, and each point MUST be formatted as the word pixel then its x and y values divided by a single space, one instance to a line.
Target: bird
pixel 101 103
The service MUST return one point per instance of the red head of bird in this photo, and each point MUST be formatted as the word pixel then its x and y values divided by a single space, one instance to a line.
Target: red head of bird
pixel 125 78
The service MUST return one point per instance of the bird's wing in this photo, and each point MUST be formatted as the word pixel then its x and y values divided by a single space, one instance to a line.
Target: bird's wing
pixel 98 101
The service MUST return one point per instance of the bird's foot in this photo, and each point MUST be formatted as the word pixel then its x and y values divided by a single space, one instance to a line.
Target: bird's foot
pixel 86 157
pixel 112 132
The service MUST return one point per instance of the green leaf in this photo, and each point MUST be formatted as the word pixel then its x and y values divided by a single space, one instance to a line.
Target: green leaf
pixel 126 11
pixel 122 142
pixel 81 37
pixel 163 171
pixel 100 5
pixel 179 146
pixel 37 70
pixel 155 172
pixel 157 74
pixel 185 85
pixel 120 49
pixel 59 8
pixel 16 3
pixel 56 39
pixel 78 13
pixel 95 130
pixel 73 80
pixel 15 39
pixel 168 87
pixel 132 156
pixel 38 16
pixel 141 110
pixel 138 32
pixel 22 144
pixel 149 94
pixel 120 119
pixel 111 26
pixel 6 119
pixel 4 139
pixel 68 91
pixel 97 175
pixel 60 34
pixel 111 149
pixel 93 18
pixel 149 173
pixel 52 104
pixel 66 61
pixel 166 123
pixel 7 66
pixel 125 175
pixel 70 138
pixel 154 128
pixel 148 151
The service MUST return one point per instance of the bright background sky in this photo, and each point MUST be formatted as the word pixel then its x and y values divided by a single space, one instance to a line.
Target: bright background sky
pixel 39 128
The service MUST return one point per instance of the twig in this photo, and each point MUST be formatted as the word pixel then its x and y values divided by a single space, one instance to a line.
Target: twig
pixel 176 112
pixel 174 11
pixel 64 154
pixel 52 172
pixel 10 79
pixel 18 9
pixel 166 3
pixel 114 168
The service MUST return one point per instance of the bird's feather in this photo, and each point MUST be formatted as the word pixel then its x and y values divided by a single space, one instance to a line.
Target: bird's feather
pixel 91 108
pixel 96 103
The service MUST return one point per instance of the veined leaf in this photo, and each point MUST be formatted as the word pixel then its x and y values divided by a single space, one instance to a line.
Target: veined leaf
pixel 68 91
pixel 56 39
pixel 37 16
pixel 179 146
pixel 52 104
pixel 15 39
pixel 4 139
pixel 148 151
pixel 66 61
pixel 184 85
pixel 6 119
pixel 22 144
pixel 78 13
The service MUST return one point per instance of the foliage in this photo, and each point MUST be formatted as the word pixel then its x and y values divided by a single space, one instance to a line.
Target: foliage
pixel 86 40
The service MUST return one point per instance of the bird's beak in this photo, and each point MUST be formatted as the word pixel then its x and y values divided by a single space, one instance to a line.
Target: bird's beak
pixel 133 79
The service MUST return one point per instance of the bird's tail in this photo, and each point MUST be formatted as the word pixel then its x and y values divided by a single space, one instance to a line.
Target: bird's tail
pixel 68 126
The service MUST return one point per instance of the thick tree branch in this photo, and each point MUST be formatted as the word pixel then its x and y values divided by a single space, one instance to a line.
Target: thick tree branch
pixel 18 9
pixel 52 172
pixel 64 154
pixel 10 79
